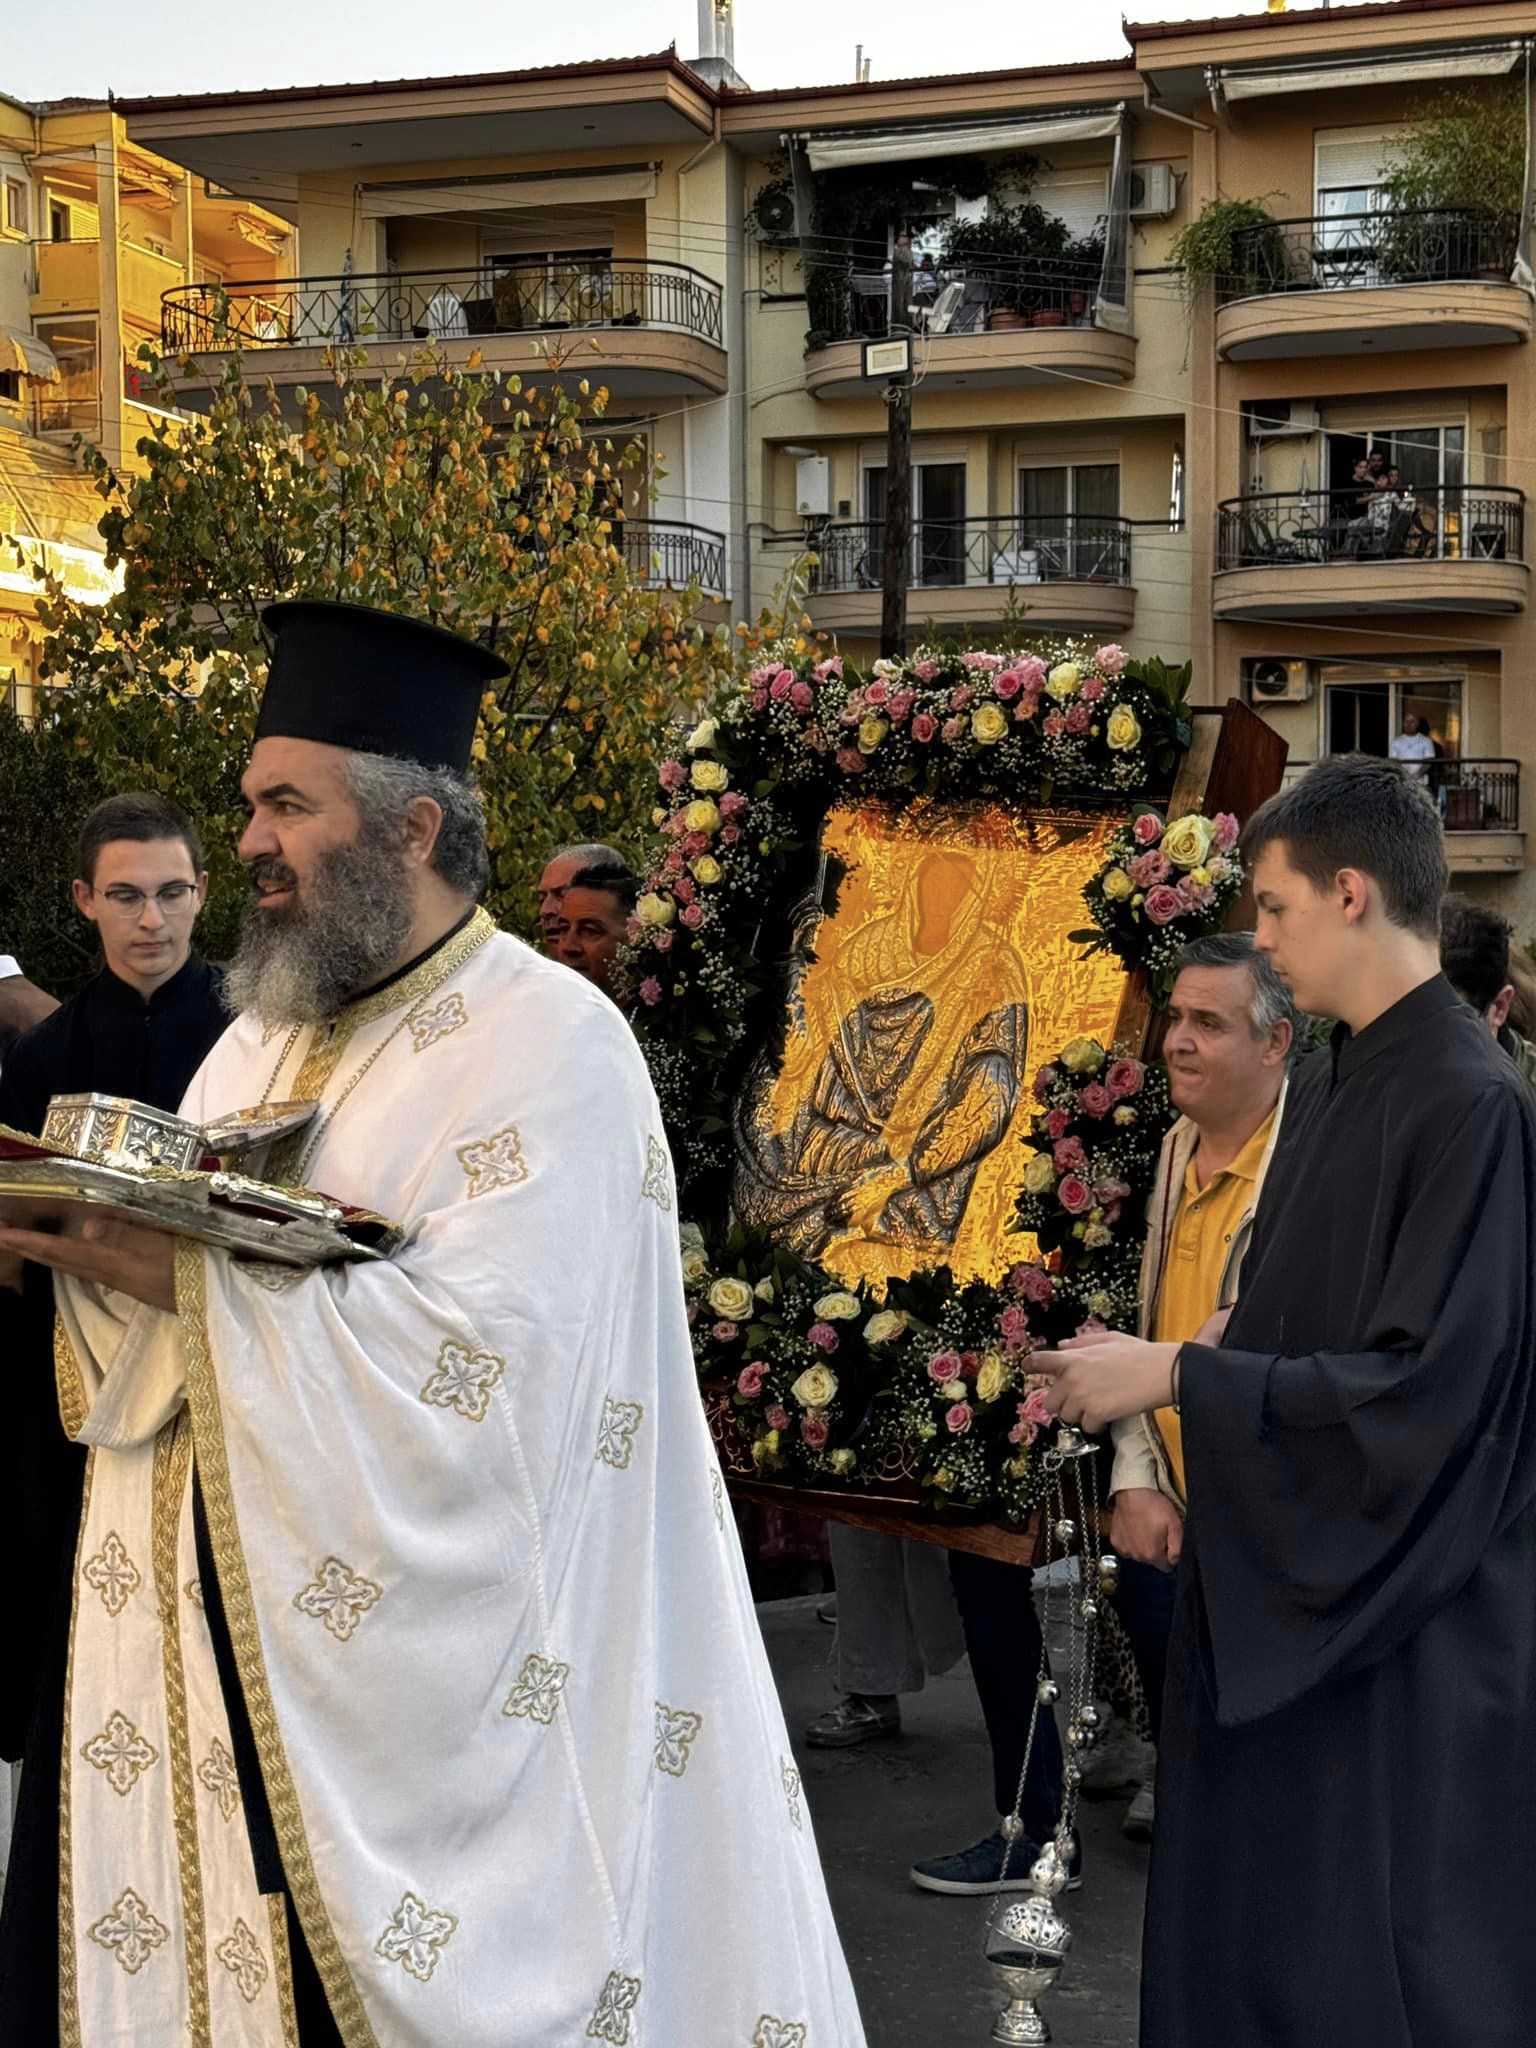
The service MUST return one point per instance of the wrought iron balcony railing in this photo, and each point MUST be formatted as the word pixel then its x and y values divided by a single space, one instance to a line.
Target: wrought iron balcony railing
pixel 1478 794
pixel 846 303
pixel 673 554
pixel 439 305
pixel 1332 252
pixel 1440 523
pixel 1063 547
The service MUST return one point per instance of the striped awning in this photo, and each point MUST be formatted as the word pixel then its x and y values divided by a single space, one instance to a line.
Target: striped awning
pixel 22 351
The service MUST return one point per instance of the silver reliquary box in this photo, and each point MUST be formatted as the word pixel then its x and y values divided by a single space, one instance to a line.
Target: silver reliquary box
pixel 115 1132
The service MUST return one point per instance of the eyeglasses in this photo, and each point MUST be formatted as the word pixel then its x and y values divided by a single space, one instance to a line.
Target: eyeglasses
pixel 171 899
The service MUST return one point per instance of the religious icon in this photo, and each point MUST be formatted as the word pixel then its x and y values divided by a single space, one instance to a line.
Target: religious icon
pixel 927 959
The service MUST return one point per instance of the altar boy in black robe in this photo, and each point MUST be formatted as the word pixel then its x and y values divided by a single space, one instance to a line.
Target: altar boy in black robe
pixel 1346 1844
pixel 141 1028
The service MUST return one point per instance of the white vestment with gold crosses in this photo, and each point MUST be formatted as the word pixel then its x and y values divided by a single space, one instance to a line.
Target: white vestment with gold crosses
pixel 526 1764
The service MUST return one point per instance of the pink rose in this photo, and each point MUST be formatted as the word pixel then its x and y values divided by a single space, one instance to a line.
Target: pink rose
pixel 650 990
pixel 926 669
pixel 962 697
pixel 901 704
pixel 749 1381
pixel 1056 1124
pixel 985 662
pixel 951 730
pixel 1069 1155
pixel 802 696
pixel 1111 1191
pixel 695 843
pixel 1054 726
pixel 852 711
pixel 851 761
pixel 970 1365
pixel 1125 1078
pixel 957 1420
pixel 1036 1407
pixel 759 700
pixel 1111 658
pixel 1148 829
pixel 1079 718
pixel 725 1333
pixel 1096 1099
pixel 924 726
pixel 684 888
pixel 1163 904
pixel 1150 868
pixel 1074 1195
pixel 1014 1324
pixel 1023 1433
pixel 1032 671
pixel 729 834
pixel 733 804
pixel 1007 683
pixel 776 1417
pixel 673 865
pixel 675 826
pixel 1092 688
pixel 1228 831
pixel 693 916
pixel 878 692
pixel 815 1430
pixel 781 686
pixel 1033 1282
pixel 832 666
pixel 672 775
pixel 944 1365
pixel 662 942
pixel 822 1336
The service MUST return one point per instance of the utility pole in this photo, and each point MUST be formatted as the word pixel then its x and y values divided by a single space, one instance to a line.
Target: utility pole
pixel 898 467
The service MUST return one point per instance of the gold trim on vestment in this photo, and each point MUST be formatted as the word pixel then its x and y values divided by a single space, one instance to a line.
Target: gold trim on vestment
pixel 69 1986
pixel 69 1380
pixel 282 1966
pixel 173 1458
pixel 245 1636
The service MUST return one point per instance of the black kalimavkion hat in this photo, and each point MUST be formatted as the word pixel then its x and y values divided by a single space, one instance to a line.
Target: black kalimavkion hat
pixel 374 682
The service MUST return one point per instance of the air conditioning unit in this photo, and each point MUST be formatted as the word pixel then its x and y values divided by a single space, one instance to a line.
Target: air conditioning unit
pixel 774 215
pixel 1154 192
pixel 1267 419
pixel 813 487
pixel 1278 682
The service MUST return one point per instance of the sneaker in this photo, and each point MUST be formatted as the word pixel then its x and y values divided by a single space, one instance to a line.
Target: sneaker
pixel 1117 1763
pixel 1141 1815
pixel 857 1717
pixel 976 1872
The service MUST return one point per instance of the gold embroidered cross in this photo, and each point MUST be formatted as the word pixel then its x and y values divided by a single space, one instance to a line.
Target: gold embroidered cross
pixel 241 1955
pixel 537 1691
pixel 428 1026
pixel 616 1431
pixel 217 1772
pixel 416 1937
pixel 121 1752
pixel 339 1597
pixel 130 1931
pixel 775 2033
pixel 463 1380
pixel 113 1574
pixel 676 1729
pixel 655 1187
pixel 615 2002
pixel 494 1162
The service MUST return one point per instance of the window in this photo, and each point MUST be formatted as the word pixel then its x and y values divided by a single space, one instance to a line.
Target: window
pixel 16 221
pixel 1364 717
pixel 72 405
pixel 10 387
pixel 1069 515
pixel 58 221
pixel 938 520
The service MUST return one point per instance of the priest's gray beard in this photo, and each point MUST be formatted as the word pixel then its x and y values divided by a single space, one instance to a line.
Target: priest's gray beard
pixel 347 930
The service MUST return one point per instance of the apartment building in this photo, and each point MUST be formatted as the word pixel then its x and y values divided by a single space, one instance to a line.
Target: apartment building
pixel 1100 443
pixel 95 230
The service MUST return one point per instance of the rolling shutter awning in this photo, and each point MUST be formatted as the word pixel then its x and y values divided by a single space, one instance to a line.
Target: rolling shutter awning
pixel 24 352
pixel 847 151
pixel 1488 60
pixel 498 195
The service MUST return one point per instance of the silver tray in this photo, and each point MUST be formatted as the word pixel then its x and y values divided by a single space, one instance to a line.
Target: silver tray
pixel 290 1226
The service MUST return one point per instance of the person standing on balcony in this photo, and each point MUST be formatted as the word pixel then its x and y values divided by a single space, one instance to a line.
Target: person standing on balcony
pixel 1413 745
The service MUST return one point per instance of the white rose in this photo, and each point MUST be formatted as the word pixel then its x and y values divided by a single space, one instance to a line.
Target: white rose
pixel 885 1326
pixel 703 735
pixel 732 1299
pixel 764 1290
pixel 816 1387
pixel 695 1266
pixel 953 1390
pixel 837 1307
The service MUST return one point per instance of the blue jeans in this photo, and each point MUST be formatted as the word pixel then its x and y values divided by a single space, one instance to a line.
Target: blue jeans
pixel 1002 1636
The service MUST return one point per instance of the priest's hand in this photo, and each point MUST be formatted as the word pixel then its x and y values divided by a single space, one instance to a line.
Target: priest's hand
pixel 106 1250
pixel 1104 1375
pixel 1146 1525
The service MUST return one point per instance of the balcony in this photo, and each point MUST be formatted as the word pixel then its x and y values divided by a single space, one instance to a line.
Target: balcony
pixel 1479 804
pixel 1069 573
pixel 1332 554
pixel 1021 326
pixel 1340 284
pixel 671 555
pixel 657 327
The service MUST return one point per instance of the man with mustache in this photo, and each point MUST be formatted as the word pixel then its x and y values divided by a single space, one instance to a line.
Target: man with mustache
pixel 416 1691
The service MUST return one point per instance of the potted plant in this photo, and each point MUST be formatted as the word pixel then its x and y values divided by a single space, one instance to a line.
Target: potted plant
pixel 1015 251
pixel 1453 190
pixel 1235 247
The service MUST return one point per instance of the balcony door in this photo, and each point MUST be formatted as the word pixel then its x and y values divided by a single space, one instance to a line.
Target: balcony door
pixel 938 553
pixel 551 287
pixel 1364 717
pixel 1431 463
pixel 1069 517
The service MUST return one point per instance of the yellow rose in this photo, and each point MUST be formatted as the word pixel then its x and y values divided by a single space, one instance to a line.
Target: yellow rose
pixel 1118 885
pixel 1063 681
pixel 1124 729
pixel 885 1326
pixel 994 1378
pixel 702 815
pixel 816 1386
pixel 655 910
pixel 842 1460
pixel 659 815
pixel 695 1266
pixel 710 775
pixel 838 1307
pixel 764 1290
pixel 1188 840
pixel 731 1298
pixel 1083 1056
pixel 989 724
pixel 953 1390
pixel 872 731
pixel 1040 1174
pixel 706 869
pixel 702 736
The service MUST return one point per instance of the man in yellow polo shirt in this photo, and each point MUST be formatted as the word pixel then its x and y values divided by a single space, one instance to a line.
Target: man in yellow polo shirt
pixel 1231 1025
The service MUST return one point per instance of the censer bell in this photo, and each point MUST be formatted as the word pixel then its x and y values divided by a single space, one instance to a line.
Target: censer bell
pixel 1027 1943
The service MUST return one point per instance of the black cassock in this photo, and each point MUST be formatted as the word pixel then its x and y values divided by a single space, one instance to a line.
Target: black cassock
pixel 109 1040
pixel 1346 1799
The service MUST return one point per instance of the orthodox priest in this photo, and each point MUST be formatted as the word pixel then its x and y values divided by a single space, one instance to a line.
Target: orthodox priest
pixel 1346 1837
pixel 416 1695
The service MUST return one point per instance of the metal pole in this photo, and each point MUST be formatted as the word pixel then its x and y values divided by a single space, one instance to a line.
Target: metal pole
pixel 898 471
